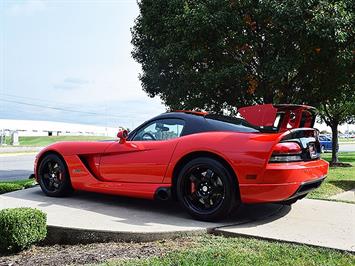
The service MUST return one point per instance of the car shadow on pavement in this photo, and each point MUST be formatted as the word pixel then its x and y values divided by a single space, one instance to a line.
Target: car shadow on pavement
pixel 141 212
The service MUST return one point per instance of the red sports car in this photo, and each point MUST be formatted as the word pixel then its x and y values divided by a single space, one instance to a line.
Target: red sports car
pixel 209 163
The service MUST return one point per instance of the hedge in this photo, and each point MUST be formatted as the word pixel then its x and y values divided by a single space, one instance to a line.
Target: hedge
pixel 21 227
pixel 8 187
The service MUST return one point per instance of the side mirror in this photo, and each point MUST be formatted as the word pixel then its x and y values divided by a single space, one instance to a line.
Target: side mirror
pixel 122 135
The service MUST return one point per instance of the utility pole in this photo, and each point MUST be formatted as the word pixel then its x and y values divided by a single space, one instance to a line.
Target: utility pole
pixel 2 137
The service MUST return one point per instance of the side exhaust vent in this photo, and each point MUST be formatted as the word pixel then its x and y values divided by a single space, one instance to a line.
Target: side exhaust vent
pixel 163 194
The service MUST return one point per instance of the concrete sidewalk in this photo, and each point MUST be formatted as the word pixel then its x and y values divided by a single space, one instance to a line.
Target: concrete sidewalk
pixel 88 217
pixel 313 222
pixel 346 196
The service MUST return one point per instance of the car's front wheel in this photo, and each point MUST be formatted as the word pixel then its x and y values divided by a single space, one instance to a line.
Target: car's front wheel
pixel 206 189
pixel 53 176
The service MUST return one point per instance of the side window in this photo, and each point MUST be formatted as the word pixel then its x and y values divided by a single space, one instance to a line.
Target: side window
pixel 162 129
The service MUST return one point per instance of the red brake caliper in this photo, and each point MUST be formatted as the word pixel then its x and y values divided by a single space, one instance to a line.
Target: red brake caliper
pixel 60 176
pixel 193 187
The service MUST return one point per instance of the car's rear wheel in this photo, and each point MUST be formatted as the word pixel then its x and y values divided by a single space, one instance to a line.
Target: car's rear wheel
pixel 206 189
pixel 53 176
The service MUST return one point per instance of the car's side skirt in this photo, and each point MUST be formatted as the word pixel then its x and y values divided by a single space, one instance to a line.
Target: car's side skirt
pixel 136 190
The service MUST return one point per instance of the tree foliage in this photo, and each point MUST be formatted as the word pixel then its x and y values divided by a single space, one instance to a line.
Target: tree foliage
pixel 219 54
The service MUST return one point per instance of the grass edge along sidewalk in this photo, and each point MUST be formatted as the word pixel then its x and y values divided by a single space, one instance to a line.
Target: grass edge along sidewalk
pixel 339 179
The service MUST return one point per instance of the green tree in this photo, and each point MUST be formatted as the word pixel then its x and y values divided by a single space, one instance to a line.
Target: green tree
pixel 330 70
pixel 221 54
pixel 335 112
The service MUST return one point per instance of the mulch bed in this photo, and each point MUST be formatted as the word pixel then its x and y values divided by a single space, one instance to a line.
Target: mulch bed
pixel 92 253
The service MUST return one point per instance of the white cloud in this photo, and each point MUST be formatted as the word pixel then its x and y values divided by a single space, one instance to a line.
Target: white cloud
pixel 71 83
pixel 26 7
pixel 93 83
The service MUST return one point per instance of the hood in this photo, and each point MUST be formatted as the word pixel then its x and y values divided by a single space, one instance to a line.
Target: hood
pixel 78 147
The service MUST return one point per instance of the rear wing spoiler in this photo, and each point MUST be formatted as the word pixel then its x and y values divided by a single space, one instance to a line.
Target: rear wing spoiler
pixel 279 117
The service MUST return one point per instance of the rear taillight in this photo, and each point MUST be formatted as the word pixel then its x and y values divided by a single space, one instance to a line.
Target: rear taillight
pixel 286 152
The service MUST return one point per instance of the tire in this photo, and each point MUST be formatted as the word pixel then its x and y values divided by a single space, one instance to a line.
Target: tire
pixel 53 176
pixel 322 149
pixel 206 189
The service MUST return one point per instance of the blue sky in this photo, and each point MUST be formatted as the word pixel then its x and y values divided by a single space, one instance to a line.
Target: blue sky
pixel 71 55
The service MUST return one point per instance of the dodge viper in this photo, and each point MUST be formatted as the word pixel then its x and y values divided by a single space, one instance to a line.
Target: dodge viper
pixel 209 163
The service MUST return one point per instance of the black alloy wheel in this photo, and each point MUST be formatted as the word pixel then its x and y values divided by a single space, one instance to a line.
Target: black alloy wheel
pixel 53 176
pixel 206 189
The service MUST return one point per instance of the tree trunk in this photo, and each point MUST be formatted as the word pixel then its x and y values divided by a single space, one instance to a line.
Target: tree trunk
pixel 268 96
pixel 334 143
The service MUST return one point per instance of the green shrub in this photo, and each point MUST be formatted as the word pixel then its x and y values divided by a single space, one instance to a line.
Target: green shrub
pixel 8 187
pixel 29 183
pixel 21 227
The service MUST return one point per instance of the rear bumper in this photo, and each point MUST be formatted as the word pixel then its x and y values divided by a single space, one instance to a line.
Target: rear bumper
pixel 282 182
pixel 307 187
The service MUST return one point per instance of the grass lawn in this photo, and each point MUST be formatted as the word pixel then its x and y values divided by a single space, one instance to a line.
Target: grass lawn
pixel 339 179
pixel 346 139
pixel 44 141
pixel 218 250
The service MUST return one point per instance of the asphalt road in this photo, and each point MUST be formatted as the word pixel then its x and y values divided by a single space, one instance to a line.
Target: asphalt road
pixel 347 147
pixel 16 166
pixel 21 166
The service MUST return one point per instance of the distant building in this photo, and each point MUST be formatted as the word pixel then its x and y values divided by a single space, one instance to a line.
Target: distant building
pixel 48 128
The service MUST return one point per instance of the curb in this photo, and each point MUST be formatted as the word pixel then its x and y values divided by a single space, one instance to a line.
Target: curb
pixel 66 235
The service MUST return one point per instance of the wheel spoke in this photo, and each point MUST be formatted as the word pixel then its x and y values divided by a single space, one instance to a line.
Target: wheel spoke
pixel 50 167
pixel 56 168
pixel 201 200
pixel 194 197
pixel 218 190
pixel 200 176
pixel 207 204
pixel 209 174
pixel 55 184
